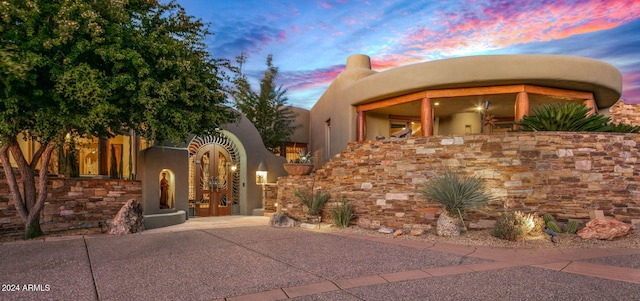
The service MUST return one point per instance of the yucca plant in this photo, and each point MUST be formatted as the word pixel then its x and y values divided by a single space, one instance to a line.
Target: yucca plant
pixel 314 202
pixel 457 193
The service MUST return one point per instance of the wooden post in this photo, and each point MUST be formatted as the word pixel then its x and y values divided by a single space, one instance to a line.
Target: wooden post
pixel 522 106
pixel 361 127
pixel 591 104
pixel 426 117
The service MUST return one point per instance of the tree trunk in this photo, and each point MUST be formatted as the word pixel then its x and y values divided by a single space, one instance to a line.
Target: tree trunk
pixel 30 201
pixel 32 228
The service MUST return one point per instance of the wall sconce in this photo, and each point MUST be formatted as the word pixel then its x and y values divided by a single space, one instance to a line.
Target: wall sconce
pixel 232 167
pixel 261 173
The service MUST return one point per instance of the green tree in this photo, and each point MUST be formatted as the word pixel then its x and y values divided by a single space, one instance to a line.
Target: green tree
pixel 85 68
pixel 268 109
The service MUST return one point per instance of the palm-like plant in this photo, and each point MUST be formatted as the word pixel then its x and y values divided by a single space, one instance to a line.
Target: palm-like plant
pixel 565 117
pixel 456 192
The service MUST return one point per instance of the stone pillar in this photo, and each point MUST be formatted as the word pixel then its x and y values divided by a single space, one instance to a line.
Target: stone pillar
pixel 426 117
pixel 591 104
pixel 522 106
pixel 361 127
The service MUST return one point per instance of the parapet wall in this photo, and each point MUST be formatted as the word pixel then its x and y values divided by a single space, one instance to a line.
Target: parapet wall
pixel 564 174
pixel 72 203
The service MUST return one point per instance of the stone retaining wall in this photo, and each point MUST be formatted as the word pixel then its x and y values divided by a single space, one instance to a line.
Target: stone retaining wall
pixel 564 174
pixel 72 203
pixel 625 113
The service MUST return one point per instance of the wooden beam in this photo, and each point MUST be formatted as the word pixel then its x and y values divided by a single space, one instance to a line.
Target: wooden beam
pixel 557 92
pixel 404 117
pixel 390 102
pixel 476 91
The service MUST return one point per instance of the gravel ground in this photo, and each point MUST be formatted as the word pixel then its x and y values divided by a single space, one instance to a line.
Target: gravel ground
pixel 484 238
pixel 469 238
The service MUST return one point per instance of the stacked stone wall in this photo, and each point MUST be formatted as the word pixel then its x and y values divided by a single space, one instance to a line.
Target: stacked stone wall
pixel 625 113
pixel 72 203
pixel 563 174
pixel 270 196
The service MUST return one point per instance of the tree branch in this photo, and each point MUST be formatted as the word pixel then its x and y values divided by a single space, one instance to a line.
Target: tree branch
pixel 14 189
pixel 42 179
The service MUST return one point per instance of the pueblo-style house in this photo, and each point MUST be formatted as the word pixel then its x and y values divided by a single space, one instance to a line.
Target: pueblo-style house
pixel 227 173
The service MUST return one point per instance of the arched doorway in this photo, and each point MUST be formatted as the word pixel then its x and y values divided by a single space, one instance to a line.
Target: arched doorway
pixel 213 172
pixel 214 177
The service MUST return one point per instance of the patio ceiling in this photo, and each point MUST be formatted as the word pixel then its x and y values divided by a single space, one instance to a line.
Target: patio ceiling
pixel 501 105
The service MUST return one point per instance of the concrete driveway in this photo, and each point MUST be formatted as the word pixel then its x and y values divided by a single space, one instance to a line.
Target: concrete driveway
pixel 242 258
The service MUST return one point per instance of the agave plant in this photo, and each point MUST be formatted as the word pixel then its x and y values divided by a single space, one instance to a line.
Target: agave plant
pixel 456 192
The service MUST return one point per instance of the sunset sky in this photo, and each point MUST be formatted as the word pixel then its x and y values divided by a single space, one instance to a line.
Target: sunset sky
pixel 310 40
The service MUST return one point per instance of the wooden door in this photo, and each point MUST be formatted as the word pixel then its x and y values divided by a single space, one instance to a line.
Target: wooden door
pixel 214 186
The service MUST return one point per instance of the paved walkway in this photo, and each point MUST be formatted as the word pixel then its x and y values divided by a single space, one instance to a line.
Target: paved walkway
pixel 242 258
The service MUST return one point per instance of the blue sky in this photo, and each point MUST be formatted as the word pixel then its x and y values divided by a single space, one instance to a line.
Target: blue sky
pixel 310 40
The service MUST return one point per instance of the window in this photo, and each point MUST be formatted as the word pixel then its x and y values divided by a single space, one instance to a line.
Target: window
pixel 292 151
pixel 327 138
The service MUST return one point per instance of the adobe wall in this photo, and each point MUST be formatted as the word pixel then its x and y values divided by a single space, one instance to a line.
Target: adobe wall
pixel 72 203
pixel 564 174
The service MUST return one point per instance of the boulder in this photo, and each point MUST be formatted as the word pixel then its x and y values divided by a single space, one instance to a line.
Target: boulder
pixel 416 232
pixel 279 220
pixel 398 233
pixel 605 228
pixel 385 230
pixel 128 219
pixel 447 225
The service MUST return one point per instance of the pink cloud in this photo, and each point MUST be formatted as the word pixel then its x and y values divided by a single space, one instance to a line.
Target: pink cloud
pixel 631 87
pixel 298 81
pixel 499 26
pixel 326 5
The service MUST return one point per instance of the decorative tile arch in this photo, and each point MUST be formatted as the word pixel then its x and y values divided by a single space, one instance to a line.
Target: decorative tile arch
pixel 223 140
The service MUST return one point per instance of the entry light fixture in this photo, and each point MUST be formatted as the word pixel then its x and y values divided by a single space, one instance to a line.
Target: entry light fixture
pixel 261 173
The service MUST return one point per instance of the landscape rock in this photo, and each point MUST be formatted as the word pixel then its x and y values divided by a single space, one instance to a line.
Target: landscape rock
pixel 397 233
pixel 308 226
pixel 447 225
pixel 128 220
pixel 605 228
pixel 385 230
pixel 416 232
pixel 280 220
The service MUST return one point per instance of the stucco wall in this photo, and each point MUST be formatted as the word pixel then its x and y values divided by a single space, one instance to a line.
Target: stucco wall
pixel 564 174
pixel 72 203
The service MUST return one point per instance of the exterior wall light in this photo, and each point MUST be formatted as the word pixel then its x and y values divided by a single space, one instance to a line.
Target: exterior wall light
pixel 261 173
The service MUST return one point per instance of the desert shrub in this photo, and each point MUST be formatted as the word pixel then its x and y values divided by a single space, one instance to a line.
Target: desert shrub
pixel 517 225
pixel 570 117
pixel 342 214
pixel 455 192
pixel 314 202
